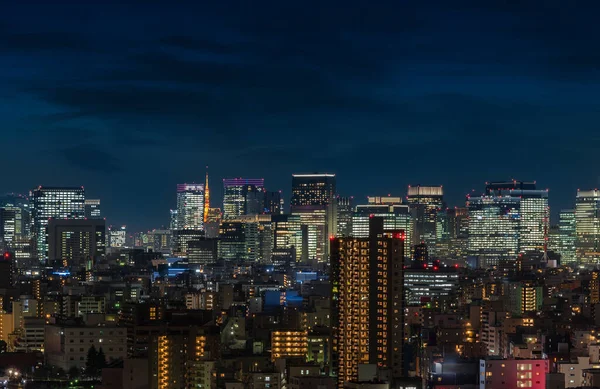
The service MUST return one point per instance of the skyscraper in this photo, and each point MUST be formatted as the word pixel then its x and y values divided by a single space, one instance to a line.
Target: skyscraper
pixel 567 234
pixel 206 198
pixel 59 203
pixel 345 209
pixel 241 196
pixel 534 212
pixel 587 226
pixel 92 209
pixel 313 199
pixel 273 203
pixel 396 216
pixel 190 207
pixel 511 218
pixel 424 202
pixel 493 229
pixel 368 301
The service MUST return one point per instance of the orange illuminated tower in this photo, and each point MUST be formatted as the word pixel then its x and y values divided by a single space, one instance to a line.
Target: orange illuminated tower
pixel 206 198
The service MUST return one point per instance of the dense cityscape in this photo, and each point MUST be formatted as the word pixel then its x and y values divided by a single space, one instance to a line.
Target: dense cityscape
pixel 398 291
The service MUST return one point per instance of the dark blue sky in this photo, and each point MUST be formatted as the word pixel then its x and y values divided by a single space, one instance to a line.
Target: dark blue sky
pixel 130 100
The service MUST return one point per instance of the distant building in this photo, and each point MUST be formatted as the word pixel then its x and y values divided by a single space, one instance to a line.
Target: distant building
pixel 273 203
pixel 314 200
pixel 117 236
pixel 76 243
pixel 567 237
pixel 395 216
pixel 587 226
pixel 429 284
pixel 242 196
pixel 190 207
pixel 424 202
pixel 345 210
pixel 92 209
pixel 57 203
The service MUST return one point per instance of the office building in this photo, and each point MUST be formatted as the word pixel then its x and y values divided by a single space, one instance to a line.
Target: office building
pixel 452 234
pixel 367 302
pixel 314 200
pixel 567 236
pixel 273 203
pixel 213 221
pixel 288 235
pixel 12 225
pixel 425 284
pixel 117 236
pixel 534 212
pixel 182 240
pixel 22 203
pixel 76 243
pixel 242 196
pixel 202 252
pixel 587 226
pixel 246 238
pixel 54 203
pixel 190 207
pixel 92 209
pixel 424 202
pixel 345 211
pixel 206 208
pixel 396 216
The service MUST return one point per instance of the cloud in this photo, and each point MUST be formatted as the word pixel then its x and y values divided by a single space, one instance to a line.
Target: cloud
pixel 90 157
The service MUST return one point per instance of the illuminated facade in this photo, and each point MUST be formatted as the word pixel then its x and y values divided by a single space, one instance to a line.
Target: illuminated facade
pixel 12 226
pixel 289 344
pixel 117 236
pixel 345 211
pixel 314 200
pixel 247 238
pixel 513 373
pixel 92 209
pixel 452 234
pixel 287 234
pixel 367 301
pixel 534 212
pixel 424 202
pixel 242 196
pixel 429 284
pixel 567 235
pixel 57 203
pixel 190 207
pixel 395 217
pixel 587 226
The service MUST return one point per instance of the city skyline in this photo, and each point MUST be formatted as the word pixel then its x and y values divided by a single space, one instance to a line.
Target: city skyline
pixel 94 92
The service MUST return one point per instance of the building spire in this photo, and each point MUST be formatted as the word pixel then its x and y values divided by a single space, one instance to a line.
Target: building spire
pixel 206 197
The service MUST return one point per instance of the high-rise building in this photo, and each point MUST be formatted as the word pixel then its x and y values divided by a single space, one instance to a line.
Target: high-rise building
pixel 117 236
pixel 493 229
pixel 313 199
pixel 213 221
pixel 92 209
pixel 345 211
pixel 510 218
pixel 424 202
pixel 273 203
pixel 76 243
pixel 567 235
pixel 396 216
pixel 423 284
pixel 288 235
pixel 534 212
pixel 246 238
pixel 21 202
pixel 452 234
pixel 206 209
pixel 12 225
pixel 367 302
pixel 57 203
pixel 587 226
pixel 190 207
pixel 242 196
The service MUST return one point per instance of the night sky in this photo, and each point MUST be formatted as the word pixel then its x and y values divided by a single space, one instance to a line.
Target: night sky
pixel 129 100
